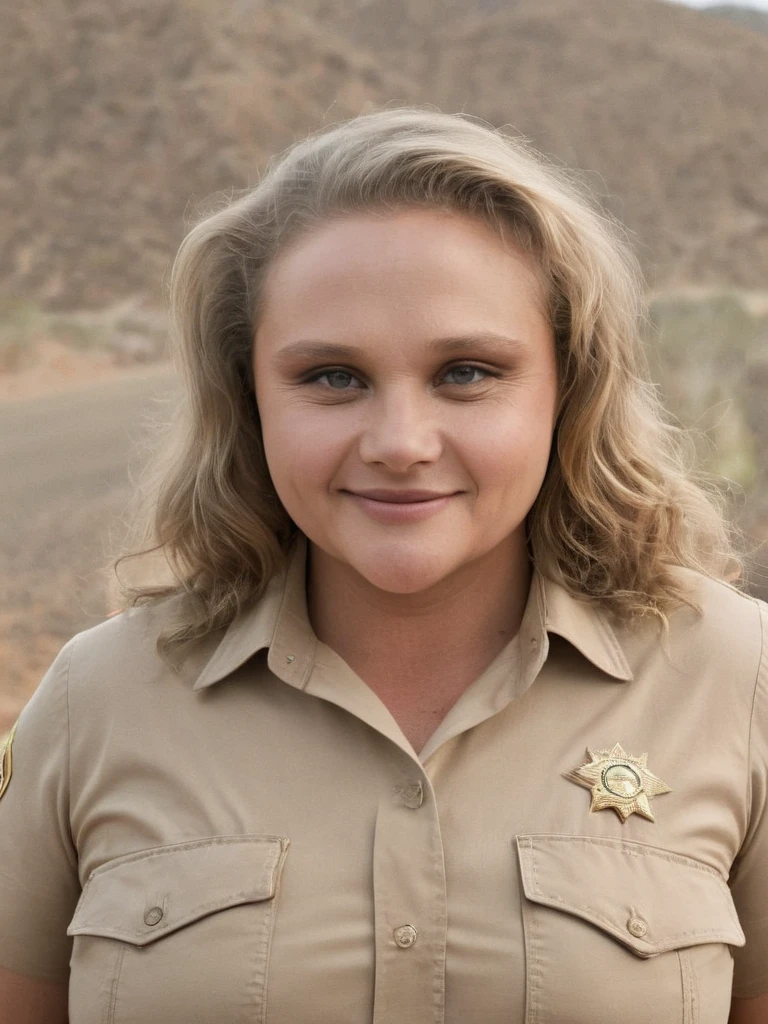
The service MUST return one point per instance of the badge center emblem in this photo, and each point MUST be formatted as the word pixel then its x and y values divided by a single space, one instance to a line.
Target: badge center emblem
pixel 621 780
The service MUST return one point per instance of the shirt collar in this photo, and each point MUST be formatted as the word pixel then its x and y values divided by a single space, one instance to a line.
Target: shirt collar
pixel 586 626
pixel 279 622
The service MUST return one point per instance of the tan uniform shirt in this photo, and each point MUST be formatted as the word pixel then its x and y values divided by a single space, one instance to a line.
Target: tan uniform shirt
pixel 254 839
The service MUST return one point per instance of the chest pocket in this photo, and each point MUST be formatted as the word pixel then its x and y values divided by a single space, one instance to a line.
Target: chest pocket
pixel 619 930
pixel 177 932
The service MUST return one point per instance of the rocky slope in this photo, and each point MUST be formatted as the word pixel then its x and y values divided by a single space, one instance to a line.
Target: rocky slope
pixel 120 118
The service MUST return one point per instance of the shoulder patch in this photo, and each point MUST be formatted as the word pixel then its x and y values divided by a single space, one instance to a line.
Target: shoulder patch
pixel 6 762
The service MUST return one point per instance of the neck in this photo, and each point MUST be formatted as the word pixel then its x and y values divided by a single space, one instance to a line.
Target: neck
pixel 448 633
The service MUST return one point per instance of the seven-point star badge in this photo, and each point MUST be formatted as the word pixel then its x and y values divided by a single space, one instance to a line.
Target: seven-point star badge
pixel 619 780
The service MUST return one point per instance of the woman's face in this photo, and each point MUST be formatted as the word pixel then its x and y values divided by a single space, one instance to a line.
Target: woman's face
pixel 406 352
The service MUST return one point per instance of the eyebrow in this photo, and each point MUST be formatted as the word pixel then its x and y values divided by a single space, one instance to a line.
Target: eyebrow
pixel 489 341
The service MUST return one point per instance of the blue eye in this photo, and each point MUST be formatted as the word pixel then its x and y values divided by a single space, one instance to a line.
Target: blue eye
pixel 465 372
pixel 336 379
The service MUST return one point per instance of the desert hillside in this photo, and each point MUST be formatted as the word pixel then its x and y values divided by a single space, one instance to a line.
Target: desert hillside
pixel 121 117
pixel 664 106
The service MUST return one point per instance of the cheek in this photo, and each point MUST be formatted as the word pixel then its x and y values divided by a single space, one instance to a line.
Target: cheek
pixel 514 462
pixel 302 449
pixel 508 470
pixel 511 446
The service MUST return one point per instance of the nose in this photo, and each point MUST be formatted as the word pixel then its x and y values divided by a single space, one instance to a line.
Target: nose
pixel 401 430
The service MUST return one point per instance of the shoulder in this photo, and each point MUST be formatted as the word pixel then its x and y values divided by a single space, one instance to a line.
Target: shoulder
pixel 723 637
pixel 122 651
pixel 726 614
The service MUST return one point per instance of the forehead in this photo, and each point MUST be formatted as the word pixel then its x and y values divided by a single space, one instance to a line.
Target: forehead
pixel 417 263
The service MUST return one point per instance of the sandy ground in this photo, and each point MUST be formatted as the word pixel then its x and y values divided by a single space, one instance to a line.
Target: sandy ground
pixel 71 431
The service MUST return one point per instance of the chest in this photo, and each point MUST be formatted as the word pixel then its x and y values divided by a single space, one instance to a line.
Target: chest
pixel 337 879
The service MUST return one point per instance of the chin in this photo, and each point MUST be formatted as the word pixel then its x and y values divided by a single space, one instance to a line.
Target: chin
pixel 402 572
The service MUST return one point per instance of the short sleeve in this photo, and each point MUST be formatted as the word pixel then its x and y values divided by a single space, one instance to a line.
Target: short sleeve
pixel 749 878
pixel 39 884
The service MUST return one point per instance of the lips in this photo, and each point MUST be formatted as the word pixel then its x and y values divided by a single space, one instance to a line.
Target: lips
pixel 402 497
pixel 400 508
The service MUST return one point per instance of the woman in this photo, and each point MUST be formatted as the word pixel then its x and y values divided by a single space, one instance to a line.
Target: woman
pixel 445 715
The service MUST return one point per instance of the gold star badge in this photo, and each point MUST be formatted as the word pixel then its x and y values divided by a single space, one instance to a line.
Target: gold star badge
pixel 620 781
pixel 5 762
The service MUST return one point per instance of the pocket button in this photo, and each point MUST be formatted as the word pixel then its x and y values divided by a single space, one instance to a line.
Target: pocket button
pixel 637 927
pixel 153 916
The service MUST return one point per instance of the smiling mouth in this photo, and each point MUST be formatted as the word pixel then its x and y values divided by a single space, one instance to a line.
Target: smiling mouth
pixel 406 507
pixel 402 497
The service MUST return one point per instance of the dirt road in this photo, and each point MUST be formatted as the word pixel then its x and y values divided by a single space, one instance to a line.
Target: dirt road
pixel 65 461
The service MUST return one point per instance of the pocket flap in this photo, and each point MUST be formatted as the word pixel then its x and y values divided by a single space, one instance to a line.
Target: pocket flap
pixel 649 899
pixel 146 895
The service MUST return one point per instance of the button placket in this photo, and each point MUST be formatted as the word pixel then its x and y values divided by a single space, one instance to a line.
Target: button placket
pixel 410 910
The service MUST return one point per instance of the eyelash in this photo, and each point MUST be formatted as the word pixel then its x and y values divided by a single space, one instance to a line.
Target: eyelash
pixel 319 374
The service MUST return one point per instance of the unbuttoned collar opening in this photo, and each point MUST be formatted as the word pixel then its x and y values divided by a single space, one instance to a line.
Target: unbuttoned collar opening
pixel 279 622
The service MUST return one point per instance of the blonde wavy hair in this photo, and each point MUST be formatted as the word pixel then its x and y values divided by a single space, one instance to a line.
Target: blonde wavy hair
pixel 619 509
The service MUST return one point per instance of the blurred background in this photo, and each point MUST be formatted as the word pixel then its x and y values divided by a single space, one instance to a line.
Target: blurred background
pixel 120 117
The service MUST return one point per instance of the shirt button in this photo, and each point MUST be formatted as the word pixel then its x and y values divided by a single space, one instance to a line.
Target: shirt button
pixel 405 936
pixel 153 916
pixel 637 927
pixel 412 795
